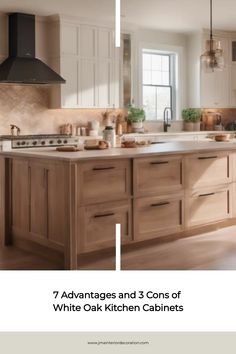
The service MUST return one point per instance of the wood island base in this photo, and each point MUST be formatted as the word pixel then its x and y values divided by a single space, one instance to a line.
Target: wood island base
pixel 66 210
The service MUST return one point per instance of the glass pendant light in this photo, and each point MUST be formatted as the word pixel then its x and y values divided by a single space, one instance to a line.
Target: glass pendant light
pixel 212 60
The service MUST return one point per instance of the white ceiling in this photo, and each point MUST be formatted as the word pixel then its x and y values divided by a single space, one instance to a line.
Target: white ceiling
pixel 171 15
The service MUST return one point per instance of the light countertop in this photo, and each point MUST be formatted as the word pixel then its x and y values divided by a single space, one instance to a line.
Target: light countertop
pixel 176 147
pixel 183 133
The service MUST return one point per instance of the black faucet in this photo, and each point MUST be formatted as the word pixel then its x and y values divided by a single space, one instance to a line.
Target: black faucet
pixel 166 123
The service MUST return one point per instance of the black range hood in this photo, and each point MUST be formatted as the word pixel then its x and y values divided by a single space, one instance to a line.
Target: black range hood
pixel 21 67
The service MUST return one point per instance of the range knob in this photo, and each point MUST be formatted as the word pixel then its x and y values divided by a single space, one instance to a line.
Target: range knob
pixel 18 143
pixel 34 142
pixel 59 141
pixel 65 141
pixel 51 142
pixel 43 143
pixel 23 143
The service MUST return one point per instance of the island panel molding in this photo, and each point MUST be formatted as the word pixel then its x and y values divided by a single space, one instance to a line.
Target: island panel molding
pixel 81 199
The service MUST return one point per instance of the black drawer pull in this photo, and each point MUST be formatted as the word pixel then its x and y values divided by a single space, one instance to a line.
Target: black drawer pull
pixel 206 195
pixel 159 163
pixel 103 215
pixel 160 204
pixel 207 157
pixel 103 168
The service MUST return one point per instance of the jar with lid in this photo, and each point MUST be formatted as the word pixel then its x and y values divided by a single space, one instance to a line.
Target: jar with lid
pixel 109 135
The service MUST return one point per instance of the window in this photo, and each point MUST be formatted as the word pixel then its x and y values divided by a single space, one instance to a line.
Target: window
pixel 158 83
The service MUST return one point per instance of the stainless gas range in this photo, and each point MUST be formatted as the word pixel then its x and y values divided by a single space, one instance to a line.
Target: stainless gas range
pixel 8 142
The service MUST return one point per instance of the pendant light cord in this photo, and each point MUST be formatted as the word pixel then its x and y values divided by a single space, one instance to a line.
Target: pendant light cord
pixel 211 36
pixel 213 58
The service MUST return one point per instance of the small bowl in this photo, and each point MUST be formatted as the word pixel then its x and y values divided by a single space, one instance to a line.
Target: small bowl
pixel 222 137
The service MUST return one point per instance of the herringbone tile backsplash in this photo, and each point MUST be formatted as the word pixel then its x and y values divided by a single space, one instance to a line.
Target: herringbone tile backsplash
pixel 28 108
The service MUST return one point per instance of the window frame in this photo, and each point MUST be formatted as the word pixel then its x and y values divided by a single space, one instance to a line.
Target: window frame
pixel 171 78
pixel 178 91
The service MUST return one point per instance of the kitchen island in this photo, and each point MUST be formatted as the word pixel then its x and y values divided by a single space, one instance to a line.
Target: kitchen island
pixel 65 205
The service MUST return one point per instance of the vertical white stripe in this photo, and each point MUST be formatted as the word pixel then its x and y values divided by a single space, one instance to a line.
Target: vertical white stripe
pixel 118 247
pixel 118 23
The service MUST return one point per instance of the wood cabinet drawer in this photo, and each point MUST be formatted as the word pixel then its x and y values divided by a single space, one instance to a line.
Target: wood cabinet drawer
pixel 155 217
pixel 234 200
pixel 97 225
pixel 20 195
pixel 208 205
pixel 209 169
pixel 157 175
pixel 234 166
pixel 103 181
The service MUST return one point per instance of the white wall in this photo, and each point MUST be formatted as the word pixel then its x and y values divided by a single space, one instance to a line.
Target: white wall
pixel 194 42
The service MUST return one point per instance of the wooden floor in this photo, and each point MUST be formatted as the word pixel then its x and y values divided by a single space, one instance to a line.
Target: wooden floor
pixel 212 251
pixel 12 258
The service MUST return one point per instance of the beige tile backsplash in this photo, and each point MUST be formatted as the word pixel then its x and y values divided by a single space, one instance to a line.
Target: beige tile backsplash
pixel 27 107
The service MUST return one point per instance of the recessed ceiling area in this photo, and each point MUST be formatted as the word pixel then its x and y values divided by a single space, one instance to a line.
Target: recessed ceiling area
pixel 171 15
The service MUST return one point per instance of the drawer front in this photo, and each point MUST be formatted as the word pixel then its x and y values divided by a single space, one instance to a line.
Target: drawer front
pixel 20 195
pixel 155 217
pixel 204 207
pixel 103 181
pixel 234 200
pixel 98 223
pixel 233 154
pixel 204 170
pixel 3 191
pixel 157 175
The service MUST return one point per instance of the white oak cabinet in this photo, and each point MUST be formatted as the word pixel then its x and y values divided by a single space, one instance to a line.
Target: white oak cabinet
pixel 209 188
pixel 89 63
pixel 73 207
pixel 208 169
pixel 157 175
pixel 158 216
pixel 173 194
pixel 2 202
pixel 39 194
pixel 104 193
pixel 103 181
pixel 97 224
pixel 208 205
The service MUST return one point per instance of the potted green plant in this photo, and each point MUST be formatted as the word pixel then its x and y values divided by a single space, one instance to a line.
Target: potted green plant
pixel 191 118
pixel 136 117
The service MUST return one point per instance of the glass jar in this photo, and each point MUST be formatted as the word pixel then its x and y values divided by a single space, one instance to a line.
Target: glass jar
pixel 109 135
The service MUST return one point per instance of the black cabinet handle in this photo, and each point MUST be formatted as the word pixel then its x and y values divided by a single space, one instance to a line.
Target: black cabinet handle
pixel 103 215
pixel 159 163
pixel 207 157
pixel 159 204
pixel 103 168
pixel 206 195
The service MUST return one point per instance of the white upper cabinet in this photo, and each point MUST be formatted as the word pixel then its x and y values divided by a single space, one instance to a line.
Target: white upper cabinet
pixel 87 41
pixel 87 83
pixel 90 65
pixel 69 91
pixel 105 44
pixel 215 89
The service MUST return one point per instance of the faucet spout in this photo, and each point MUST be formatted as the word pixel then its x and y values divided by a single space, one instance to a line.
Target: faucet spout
pixel 166 123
